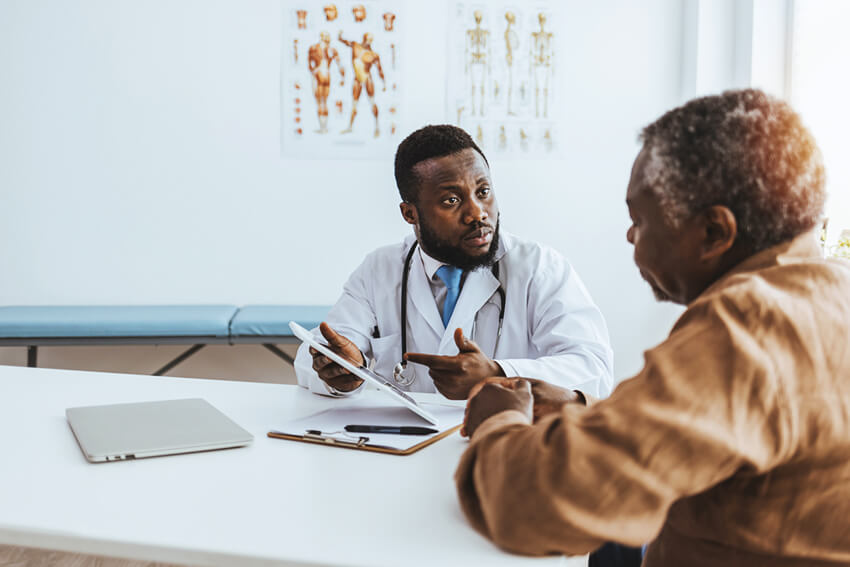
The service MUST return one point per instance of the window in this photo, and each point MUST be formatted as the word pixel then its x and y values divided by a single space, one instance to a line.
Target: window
pixel 820 92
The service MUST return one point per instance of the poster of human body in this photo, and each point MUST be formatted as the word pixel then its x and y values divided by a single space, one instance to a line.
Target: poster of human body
pixel 502 76
pixel 340 91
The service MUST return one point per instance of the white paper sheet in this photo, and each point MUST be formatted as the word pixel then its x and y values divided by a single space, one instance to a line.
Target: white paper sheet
pixel 332 423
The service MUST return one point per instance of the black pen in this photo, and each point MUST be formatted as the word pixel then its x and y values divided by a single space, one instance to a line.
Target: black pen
pixel 392 429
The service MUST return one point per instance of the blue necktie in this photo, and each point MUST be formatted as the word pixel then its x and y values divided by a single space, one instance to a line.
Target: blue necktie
pixel 451 277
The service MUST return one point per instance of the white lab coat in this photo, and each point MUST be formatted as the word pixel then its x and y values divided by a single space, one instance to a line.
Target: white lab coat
pixel 552 330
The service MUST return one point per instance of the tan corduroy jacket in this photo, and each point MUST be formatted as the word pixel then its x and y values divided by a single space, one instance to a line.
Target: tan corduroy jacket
pixel 731 447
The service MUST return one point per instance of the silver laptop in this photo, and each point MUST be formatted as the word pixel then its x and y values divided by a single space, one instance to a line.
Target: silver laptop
pixel 119 432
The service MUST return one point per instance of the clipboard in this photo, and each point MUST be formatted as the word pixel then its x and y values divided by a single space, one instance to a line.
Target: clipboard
pixel 327 428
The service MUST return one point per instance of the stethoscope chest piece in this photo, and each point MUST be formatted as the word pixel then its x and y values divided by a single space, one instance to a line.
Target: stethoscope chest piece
pixel 403 374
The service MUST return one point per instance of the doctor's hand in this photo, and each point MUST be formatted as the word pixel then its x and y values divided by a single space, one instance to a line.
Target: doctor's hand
pixel 329 371
pixel 495 395
pixel 454 376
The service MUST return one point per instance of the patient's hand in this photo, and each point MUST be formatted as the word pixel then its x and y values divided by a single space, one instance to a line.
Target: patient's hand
pixel 549 398
pixel 329 371
pixel 495 395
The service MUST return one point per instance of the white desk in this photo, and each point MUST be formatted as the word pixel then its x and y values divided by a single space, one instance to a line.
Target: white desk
pixel 273 503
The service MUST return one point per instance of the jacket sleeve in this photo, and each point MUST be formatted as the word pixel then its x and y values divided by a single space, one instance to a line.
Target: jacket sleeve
pixel 353 316
pixel 568 330
pixel 703 407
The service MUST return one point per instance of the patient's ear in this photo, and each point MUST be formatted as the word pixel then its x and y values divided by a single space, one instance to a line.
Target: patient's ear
pixel 409 213
pixel 721 229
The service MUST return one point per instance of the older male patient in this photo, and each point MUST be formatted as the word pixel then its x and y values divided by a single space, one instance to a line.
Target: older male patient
pixel 732 446
pixel 459 300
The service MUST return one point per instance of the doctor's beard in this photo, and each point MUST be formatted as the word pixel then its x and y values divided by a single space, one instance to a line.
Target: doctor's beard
pixel 439 249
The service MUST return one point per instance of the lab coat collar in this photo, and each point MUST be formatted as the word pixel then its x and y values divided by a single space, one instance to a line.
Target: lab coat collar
pixel 419 293
pixel 506 242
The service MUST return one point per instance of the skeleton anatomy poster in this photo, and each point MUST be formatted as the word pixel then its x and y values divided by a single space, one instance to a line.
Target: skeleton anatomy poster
pixel 502 81
pixel 339 85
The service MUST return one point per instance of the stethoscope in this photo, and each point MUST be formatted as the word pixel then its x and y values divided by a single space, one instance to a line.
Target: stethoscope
pixel 401 374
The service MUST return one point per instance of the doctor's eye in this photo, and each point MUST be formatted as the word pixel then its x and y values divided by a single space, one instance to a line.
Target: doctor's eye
pixel 483 192
pixel 451 200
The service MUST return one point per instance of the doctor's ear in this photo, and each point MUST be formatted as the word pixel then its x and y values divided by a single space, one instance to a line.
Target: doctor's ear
pixel 409 213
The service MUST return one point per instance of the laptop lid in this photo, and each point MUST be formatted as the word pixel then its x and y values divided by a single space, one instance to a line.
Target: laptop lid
pixel 118 432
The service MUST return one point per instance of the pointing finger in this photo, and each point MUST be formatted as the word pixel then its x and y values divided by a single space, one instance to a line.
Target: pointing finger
pixel 430 360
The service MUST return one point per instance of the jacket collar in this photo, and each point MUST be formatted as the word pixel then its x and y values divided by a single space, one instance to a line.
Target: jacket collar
pixel 800 248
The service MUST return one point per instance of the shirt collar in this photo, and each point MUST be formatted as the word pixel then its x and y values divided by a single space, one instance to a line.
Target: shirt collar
pixel 430 264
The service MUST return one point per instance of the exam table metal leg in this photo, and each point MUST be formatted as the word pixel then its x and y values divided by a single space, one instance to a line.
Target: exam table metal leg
pixel 280 353
pixel 178 360
pixel 32 356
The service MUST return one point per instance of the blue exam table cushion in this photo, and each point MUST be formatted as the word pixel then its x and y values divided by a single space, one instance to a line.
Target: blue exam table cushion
pixel 273 320
pixel 116 321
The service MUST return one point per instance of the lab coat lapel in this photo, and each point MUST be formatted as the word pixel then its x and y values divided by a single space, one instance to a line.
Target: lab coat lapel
pixel 423 299
pixel 479 286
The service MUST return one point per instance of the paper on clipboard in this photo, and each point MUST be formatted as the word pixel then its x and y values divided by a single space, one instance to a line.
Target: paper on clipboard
pixel 365 374
pixel 328 427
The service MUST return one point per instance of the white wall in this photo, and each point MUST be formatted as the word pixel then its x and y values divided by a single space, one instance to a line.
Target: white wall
pixel 140 161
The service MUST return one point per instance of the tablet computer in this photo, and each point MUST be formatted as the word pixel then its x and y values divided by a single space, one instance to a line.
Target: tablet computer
pixel 363 373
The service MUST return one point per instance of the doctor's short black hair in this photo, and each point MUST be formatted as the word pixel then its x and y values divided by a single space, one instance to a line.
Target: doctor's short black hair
pixel 432 141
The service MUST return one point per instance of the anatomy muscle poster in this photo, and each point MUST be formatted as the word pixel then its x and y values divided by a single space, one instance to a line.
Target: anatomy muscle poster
pixel 340 91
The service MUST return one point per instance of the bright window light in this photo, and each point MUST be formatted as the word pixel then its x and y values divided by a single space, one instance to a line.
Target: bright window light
pixel 820 92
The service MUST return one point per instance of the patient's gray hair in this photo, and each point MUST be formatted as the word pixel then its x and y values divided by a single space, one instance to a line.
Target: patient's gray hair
pixel 742 149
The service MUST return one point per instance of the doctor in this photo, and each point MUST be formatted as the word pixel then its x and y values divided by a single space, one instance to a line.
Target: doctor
pixel 458 300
